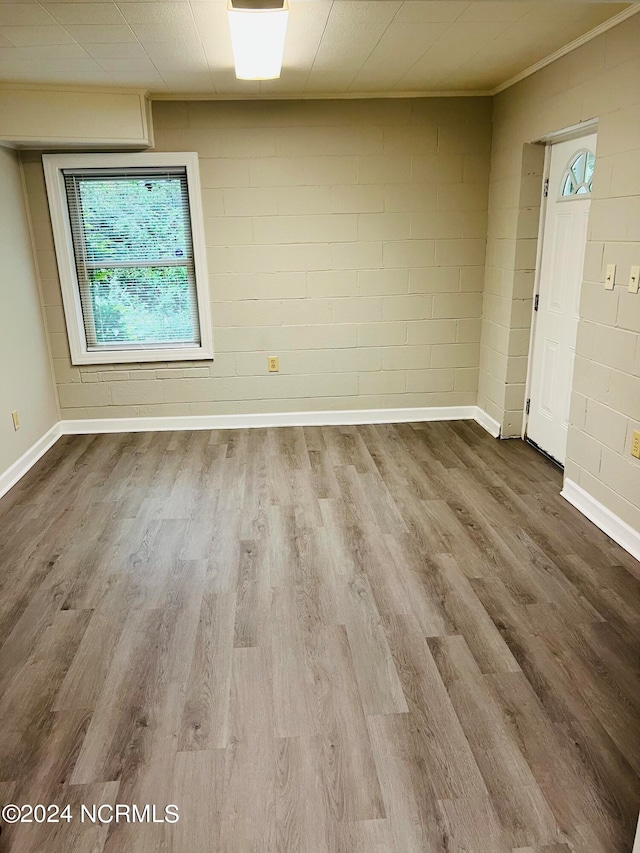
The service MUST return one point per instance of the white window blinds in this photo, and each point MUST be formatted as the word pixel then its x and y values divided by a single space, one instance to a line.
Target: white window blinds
pixel 134 259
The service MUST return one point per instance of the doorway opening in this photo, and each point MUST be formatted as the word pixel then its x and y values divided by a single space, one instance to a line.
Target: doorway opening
pixel 569 169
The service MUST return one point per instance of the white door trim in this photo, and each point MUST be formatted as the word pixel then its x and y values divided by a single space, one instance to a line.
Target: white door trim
pixel 574 131
pixel 536 285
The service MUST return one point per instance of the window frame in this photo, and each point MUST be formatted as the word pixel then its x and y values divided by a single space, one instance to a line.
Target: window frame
pixel 54 166
pixel 569 173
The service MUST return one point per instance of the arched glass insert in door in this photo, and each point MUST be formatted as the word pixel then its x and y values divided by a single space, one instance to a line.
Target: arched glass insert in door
pixel 578 177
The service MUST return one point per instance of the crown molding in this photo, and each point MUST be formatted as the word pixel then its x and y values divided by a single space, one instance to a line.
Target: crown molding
pixel 8 86
pixel 318 96
pixel 568 48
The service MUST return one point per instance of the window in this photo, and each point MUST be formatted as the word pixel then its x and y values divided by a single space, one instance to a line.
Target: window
pixel 578 177
pixel 129 242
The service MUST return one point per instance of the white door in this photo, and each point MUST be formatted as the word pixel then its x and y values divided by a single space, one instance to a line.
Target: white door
pixel 564 241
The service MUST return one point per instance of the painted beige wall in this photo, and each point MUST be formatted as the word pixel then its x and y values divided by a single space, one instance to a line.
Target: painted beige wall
pixel 23 343
pixel 602 79
pixel 346 237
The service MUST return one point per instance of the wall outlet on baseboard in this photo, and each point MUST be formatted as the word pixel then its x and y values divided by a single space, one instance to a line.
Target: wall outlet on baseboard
pixel 635 444
pixel 15 417
pixel 274 365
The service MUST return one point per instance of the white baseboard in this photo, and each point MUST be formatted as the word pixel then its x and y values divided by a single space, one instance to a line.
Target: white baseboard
pixel 491 425
pixel 197 422
pixel 323 418
pixel 28 459
pixel 607 521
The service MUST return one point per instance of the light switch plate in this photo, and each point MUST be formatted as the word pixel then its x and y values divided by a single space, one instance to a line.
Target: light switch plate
pixel 634 279
pixel 610 280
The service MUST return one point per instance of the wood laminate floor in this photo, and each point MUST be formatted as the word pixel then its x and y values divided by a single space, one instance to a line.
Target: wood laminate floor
pixel 376 639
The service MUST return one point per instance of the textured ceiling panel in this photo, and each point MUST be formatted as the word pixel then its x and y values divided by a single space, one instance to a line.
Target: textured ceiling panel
pixel 334 47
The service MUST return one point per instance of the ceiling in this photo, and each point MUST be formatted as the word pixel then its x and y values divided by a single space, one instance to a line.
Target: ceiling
pixel 334 47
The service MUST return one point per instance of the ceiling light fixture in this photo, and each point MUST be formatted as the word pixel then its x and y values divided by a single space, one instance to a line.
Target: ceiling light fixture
pixel 258 29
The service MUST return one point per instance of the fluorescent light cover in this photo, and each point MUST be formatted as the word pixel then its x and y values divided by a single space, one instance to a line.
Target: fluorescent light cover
pixel 257 39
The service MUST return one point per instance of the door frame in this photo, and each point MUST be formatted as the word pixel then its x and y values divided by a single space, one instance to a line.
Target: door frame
pixel 575 131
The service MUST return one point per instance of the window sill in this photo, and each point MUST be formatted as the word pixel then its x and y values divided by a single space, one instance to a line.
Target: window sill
pixel 143 355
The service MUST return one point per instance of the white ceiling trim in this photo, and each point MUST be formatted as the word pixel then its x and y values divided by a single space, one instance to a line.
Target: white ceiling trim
pixel 568 48
pixel 316 96
pixel 478 93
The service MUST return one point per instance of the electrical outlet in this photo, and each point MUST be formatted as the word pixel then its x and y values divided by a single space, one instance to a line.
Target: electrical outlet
pixel 15 417
pixel 274 365
pixel 610 280
pixel 634 279
pixel 635 444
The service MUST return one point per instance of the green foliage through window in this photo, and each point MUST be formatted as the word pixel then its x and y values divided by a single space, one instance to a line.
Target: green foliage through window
pixel 141 305
pixel 134 258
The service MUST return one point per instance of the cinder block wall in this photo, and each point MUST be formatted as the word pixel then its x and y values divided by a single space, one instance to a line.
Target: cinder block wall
pixel 346 237
pixel 602 79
